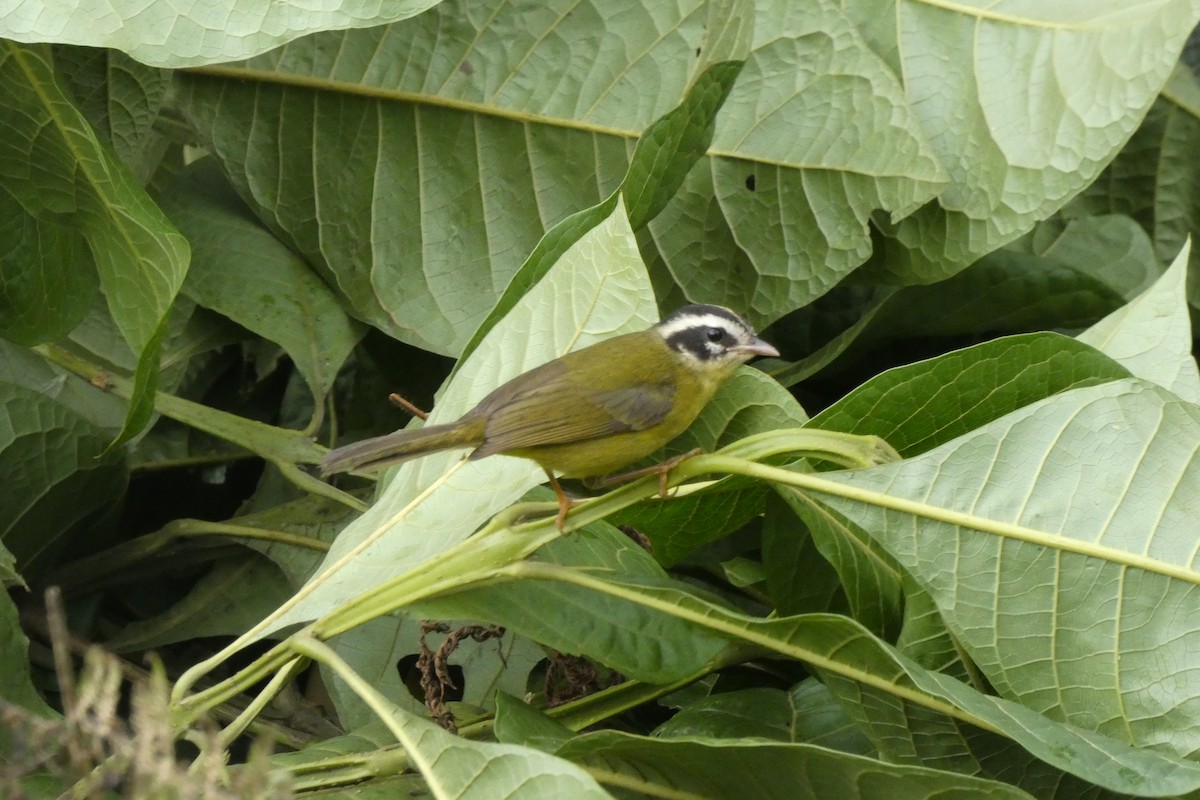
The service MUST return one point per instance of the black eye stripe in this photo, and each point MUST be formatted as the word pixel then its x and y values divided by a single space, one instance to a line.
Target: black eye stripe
pixel 702 341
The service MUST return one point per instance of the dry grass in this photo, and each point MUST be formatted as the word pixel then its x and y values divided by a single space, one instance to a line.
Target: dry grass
pixel 115 740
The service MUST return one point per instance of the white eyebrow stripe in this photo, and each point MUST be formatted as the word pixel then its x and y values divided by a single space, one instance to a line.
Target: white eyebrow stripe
pixel 669 329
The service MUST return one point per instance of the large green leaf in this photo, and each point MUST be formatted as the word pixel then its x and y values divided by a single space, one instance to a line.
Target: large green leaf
pixel 53 164
pixel 516 150
pixel 661 160
pixel 911 714
pixel 817 135
pixel 1112 248
pixel 996 89
pixel 1008 291
pixel 55 480
pixel 798 578
pixel 168 35
pixel 1058 542
pixel 916 407
pixel 870 579
pixel 718 769
pixel 280 298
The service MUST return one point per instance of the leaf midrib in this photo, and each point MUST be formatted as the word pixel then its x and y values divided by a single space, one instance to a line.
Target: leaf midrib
pixel 984 14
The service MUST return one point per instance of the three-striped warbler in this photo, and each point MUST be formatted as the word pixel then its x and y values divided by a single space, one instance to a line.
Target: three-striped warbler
pixel 590 412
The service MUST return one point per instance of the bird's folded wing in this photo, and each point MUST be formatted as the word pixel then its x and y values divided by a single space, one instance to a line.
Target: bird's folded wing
pixel 594 412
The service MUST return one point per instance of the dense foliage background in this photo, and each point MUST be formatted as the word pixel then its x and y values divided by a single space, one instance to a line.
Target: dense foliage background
pixel 227 234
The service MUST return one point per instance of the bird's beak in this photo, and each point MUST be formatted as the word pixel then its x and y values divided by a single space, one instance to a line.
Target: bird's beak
pixel 756 348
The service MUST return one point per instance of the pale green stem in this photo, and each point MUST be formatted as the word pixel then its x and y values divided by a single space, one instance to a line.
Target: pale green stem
pixel 323 654
pixel 243 720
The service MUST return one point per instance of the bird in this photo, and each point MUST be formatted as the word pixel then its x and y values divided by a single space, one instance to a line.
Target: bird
pixel 592 411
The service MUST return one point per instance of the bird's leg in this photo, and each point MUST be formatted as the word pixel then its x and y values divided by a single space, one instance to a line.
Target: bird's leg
pixel 564 502
pixel 662 470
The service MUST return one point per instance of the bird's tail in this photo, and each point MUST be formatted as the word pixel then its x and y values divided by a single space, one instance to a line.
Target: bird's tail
pixel 392 448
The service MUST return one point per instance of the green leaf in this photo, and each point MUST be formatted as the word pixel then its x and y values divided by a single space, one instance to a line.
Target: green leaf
pixel 484 92
pixel 679 526
pixel 816 136
pixel 919 406
pixel 1112 248
pixel 121 99
pixel 1060 554
pixel 870 580
pixel 56 480
pixel 669 148
pixel 916 407
pixel 1007 291
pixel 8 570
pixel 217 605
pixel 166 35
pixel 926 639
pixel 821 720
pixel 596 290
pixel 517 723
pixel 1176 173
pixel 760 713
pixel 37 301
pixel 56 168
pixel 455 767
pixel 15 684
pixel 282 300
pixel 639 642
pixel 807 713
pixel 312 518
pixel 1152 335
pixel 457 242
pixel 712 768
pixel 799 579
pixel 1018 140
pixel 664 154
pixel 908 712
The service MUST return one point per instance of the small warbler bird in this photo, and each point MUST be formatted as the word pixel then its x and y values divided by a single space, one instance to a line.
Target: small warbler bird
pixel 590 412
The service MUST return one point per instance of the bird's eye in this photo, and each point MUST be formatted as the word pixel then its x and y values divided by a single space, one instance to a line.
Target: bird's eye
pixel 715 334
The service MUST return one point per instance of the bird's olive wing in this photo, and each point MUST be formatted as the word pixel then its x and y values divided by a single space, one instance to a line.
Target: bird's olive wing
pixel 563 411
